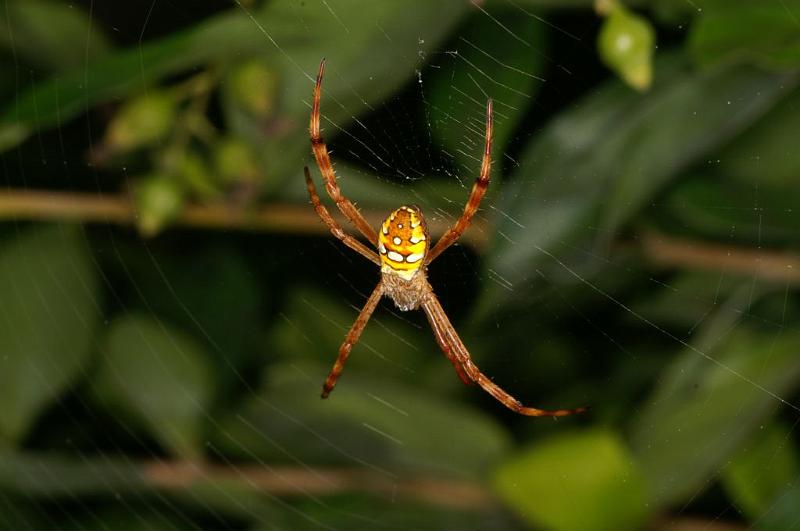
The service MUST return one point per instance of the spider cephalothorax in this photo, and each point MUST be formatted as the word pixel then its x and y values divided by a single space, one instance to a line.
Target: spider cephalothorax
pixel 403 255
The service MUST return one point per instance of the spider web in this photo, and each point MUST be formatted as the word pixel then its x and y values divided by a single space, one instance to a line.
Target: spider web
pixel 588 277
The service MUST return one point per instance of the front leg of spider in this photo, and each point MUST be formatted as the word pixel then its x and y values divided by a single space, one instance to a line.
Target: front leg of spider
pixel 403 255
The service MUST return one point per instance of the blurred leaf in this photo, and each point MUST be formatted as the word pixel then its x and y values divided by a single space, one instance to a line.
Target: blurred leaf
pixel 766 154
pixel 356 78
pixel 702 412
pixel 161 377
pixel 313 326
pixel 48 317
pixel 781 515
pixel 763 33
pixel 368 421
pixel 19 513
pixel 128 517
pixel 51 34
pixel 614 152
pixel 580 480
pixel 762 471
pixel 361 511
pixel 705 206
pixel 224 314
pixel 458 92
pixel 687 299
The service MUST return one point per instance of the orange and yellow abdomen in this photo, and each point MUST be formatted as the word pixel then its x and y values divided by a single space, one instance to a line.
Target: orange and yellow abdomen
pixel 403 242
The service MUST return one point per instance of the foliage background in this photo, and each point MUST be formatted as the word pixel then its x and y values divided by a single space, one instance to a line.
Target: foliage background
pixel 637 252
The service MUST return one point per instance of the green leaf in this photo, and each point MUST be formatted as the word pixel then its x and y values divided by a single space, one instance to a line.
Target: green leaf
pixel 702 205
pixel 765 155
pixel 580 480
pixel 50 34
pixel 760 473
pixel 702 412
pixel 223 314
pixel 611 155
pixel 368 421
pixel 762 33
pixel 47 321
pixel 158 376
pixel 459 91
pixel 355 79
pixel 783 514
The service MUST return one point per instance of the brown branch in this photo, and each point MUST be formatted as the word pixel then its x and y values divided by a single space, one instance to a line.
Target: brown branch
pixel 279 217
pixel 290 481
pixel 670 251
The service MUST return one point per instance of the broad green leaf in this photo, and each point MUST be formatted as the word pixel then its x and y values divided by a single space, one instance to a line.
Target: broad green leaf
pixel 783 514
pixel 314 325
pixel 354 78
pixel 579 480
pixel 211 292
pixel 158 376
pixel 368 421
pixel 486 62
pixel 704 411
pixel 128 517
pixel 19 513
pixel 396 512
pixel 762 470
pixel 766 154
pixel 47 321
pixel 50 34
pixel 754 31
pixel 701 205
pixel 607 158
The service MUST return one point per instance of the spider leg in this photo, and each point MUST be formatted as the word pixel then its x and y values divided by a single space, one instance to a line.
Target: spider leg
pixel 444 344
pixel 444 329
pixel 326 167
pixel 478 190
pixel 351 339
pixel 336 230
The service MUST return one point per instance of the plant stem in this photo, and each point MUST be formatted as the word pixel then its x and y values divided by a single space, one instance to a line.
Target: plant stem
pixel 670 251
pixel 278 217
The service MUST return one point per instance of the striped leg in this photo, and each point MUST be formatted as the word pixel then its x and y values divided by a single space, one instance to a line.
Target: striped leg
pixel 444 344
pixel 326 167
pixel 439 320
pixel 351 339
pixel 478 189
pixel 336 230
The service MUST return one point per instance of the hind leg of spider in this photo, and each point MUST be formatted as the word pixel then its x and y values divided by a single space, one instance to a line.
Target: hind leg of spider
pixel 351 339
pixel 336 229
pixel 451 341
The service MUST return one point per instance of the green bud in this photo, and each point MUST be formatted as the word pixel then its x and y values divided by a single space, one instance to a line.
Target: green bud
pixel 235 161
pixel 253 87
pixel 159 199
pixel 142 121
pixel 194 173
pixel 626 44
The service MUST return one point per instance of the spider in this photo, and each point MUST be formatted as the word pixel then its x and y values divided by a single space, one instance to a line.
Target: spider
pixel 403 256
